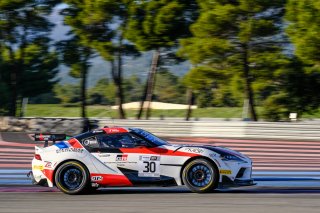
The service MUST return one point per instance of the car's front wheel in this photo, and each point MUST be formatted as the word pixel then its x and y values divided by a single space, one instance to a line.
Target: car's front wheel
pixel 72 178
pixel 200 176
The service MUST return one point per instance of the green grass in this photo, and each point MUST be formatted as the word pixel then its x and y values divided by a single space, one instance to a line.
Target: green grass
pixel 57 110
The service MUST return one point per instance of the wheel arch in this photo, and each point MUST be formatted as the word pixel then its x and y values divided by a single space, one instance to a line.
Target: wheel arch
pixel 61 163
pixel 198 157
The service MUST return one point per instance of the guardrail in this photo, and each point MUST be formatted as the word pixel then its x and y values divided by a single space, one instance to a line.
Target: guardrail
pixel 307 130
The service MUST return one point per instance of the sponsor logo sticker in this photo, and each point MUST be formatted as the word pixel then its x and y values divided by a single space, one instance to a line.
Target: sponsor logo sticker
pixel 48 164
pixel 122 158
pixel 195 150
pixel 78 150
pixel 37 167
pixel 225 172
pixel 103 155
pixel 96 178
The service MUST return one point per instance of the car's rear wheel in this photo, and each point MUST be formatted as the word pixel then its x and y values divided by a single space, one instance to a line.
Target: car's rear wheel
pixel 72 178
pixel 200 176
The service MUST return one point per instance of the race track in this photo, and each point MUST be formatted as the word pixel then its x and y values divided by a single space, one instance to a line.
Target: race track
pixel 165 200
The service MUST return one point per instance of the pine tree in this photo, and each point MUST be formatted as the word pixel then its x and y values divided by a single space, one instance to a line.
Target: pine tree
pixel 100 25
pixel 156 26
pixel 230 36
pixel 304 29
pixel 24 30
pixel 76 56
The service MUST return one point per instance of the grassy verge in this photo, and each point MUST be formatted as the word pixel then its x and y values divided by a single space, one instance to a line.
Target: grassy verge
pixel 57 110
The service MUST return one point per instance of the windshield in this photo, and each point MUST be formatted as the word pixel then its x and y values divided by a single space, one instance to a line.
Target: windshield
pixel 149 136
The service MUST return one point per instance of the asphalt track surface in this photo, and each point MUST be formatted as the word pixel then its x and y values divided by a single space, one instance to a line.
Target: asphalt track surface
pixel 164 200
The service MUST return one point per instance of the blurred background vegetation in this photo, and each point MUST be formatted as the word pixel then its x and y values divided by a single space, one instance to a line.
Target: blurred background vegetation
pixel 218 54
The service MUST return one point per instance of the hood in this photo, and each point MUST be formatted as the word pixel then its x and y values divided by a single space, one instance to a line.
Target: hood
pixel 218 149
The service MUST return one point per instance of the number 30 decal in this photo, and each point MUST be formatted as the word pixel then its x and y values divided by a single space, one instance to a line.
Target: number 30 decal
pixel 149 166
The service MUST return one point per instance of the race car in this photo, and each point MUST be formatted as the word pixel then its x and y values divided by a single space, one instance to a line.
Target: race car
pixel 125 157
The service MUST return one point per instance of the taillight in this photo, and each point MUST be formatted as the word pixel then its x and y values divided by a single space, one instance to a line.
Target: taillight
pixel 37 156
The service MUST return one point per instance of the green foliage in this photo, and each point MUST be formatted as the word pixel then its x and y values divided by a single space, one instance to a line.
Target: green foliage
pixel 275 107
pixel 28 65
pixel 159 23
pixel 133 88
pixel 4 98
pixel 294 90
pixel 304 29
pixel 68 93
pixel 231 37
pixel 168 88
pixel 40 68
pixel 102 93
pixel 45 98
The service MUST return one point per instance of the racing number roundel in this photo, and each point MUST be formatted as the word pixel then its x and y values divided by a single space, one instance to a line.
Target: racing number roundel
pixel 149 166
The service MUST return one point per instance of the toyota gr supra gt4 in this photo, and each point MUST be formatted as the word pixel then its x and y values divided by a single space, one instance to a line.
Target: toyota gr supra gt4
pixel 123 157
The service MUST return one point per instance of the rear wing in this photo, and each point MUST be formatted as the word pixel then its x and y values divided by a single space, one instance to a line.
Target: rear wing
pixel 46 137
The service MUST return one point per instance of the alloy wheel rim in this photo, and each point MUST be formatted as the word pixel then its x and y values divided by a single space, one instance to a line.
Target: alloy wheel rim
pixel 199 175
pixel 72 178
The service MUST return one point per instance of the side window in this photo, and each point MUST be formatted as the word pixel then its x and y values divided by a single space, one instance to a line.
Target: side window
pixel 110 140
pixel 90 142
pixel 138 141
pixel 124 140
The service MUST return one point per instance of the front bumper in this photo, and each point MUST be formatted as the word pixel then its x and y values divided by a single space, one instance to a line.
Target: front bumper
pixel 227 182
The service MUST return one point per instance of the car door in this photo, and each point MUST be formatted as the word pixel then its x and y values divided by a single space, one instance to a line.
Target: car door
pixel 131 155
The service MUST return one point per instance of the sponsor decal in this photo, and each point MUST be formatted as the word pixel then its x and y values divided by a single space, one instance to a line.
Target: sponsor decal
pixel 37 167
pixel 154 157
pixel 104 155
pixel 96 178
pixel 79 150
pixel 122 158
pixel 212 155
pixel 225 172
pixel 98 131
pixel 114 130
pixel 195 150
pixel 86 142
pixel 48 164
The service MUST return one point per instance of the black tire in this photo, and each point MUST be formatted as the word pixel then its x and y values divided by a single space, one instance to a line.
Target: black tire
pixel 72 178
pixel 200 176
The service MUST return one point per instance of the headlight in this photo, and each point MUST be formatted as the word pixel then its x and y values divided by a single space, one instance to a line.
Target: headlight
pixel 231 158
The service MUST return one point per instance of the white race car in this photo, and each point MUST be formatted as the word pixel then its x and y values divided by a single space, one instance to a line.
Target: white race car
pixel 122 157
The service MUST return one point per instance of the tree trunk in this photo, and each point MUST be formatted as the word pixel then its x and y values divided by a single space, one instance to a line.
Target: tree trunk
pixel 248 84
pixel 13 85
pixel 16 71
pixel 143 98
pixel 84 75
pixel 152 80
pixel 118 82
pixel 83 91
pixel 190 100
